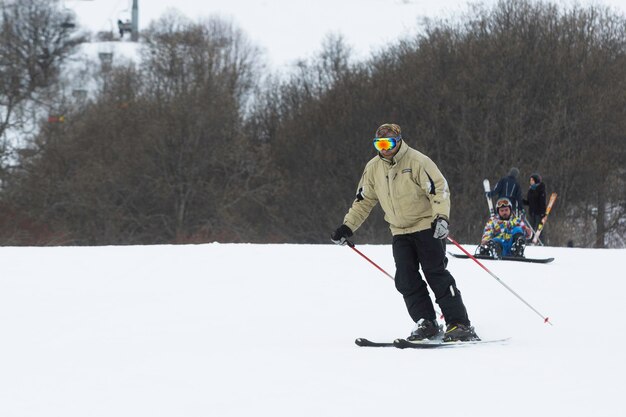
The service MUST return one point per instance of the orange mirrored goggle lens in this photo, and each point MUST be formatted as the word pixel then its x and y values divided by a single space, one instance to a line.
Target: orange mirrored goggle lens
pixel 503 203
pixel 385 144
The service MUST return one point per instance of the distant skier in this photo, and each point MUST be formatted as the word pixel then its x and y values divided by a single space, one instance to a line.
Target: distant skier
pixel 416 200
pixel 505 234
pixel 124 27
pixel 508 187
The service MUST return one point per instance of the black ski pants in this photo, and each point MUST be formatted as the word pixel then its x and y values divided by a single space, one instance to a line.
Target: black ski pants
pixel 410 251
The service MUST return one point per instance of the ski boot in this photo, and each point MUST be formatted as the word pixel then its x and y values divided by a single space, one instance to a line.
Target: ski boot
pixel 518 245
pixel 424 330
pixel 492 249
pixel 459 333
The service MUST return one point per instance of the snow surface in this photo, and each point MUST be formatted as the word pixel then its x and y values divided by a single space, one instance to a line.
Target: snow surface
pixel 289 30
pixel 241 330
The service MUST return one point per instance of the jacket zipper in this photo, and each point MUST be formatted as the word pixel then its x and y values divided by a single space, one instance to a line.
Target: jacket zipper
pixel 390 189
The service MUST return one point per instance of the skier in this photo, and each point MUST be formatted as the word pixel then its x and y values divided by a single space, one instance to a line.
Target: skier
pixel 536 202
pixel 508 187
pixel 504 234
pixel 415 198
pixel 124 27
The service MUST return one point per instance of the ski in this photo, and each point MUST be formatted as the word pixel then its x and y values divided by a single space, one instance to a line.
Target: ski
pixel 429 344
pixel 405 344
pixel 368 343
pixel 487 188
pixel 505 258
pixel 545 218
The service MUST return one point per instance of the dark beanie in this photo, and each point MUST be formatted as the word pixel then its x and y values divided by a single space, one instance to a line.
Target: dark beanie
pixel 514 172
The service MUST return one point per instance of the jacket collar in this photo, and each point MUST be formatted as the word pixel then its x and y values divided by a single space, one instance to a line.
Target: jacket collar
pixel 398 156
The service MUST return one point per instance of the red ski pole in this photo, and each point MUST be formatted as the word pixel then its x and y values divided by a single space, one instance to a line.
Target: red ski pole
pixel 379 268
pixel 368 259
pixel 545 319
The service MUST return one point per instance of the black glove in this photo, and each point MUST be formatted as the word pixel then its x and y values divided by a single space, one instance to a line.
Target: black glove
pixel 440 228
pixel 339 236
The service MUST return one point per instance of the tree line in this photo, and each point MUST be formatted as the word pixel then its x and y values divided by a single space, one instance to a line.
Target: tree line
pixel 197 142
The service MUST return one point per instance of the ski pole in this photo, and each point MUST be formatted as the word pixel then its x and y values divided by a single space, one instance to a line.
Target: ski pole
pixel 368 259
pixel 530 227
pixel 380 269
pixel 545 319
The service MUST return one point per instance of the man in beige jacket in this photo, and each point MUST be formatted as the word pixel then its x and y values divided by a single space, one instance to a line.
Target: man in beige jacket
pixel 416 200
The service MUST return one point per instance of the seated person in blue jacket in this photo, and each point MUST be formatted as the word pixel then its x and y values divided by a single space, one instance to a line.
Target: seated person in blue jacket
pixel 505 234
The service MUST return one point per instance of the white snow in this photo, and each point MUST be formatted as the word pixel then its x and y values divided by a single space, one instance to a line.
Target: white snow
pixel 240 330
pixel 268 330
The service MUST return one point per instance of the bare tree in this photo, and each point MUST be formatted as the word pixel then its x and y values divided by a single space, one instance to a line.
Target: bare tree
pixel 189 147
pixel 520 84
pixel 159 155
pixel 36 36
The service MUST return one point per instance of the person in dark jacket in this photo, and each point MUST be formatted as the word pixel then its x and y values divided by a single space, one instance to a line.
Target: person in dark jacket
pixel 509 187
pixel 536 201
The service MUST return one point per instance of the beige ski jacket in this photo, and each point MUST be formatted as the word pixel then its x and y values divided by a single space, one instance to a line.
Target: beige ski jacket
pixel 410 188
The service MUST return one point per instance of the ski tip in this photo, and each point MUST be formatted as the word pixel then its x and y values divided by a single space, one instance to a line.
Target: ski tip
pixel 368 343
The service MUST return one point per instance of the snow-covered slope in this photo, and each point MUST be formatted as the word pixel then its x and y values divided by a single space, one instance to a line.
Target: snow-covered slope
pixel 239 330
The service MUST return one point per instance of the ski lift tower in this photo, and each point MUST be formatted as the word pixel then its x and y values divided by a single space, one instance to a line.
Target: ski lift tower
pixel 134 34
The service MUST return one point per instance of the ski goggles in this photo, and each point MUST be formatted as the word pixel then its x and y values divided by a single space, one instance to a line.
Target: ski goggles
pixel 503 203
pixel 386 144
